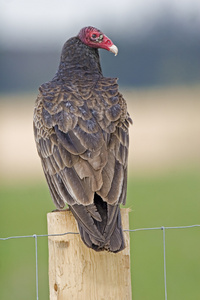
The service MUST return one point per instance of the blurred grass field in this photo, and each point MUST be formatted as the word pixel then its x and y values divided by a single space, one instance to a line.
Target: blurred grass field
pixel 169 200
pixel 163 190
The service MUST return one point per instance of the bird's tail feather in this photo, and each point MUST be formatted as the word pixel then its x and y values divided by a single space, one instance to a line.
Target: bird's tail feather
pixel 100 225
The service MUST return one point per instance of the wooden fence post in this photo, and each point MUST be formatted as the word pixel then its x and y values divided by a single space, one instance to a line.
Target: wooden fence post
pixel 79 273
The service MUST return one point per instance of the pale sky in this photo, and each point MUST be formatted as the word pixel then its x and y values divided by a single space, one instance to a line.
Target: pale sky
pixel 48 22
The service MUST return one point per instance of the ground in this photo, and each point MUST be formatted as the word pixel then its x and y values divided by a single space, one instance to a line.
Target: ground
pixel 163 190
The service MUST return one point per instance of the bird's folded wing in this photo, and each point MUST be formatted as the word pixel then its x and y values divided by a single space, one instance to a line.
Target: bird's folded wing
pixel 83 143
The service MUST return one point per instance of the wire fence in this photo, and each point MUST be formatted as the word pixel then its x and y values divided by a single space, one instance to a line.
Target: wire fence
pixel 35 236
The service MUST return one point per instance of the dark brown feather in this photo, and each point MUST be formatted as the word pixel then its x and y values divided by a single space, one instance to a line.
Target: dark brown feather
pixel 81 132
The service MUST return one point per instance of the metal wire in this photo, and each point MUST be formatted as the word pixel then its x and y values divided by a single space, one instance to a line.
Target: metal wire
pixel 36 266
pixel 35 236
pixel 164 257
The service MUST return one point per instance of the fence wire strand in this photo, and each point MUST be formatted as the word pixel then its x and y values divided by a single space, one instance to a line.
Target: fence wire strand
pixel 36 236
pixel 164 258
pixel 36 266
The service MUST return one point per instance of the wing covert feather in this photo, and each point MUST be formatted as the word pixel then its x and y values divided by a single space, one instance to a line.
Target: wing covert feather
pixel 83 144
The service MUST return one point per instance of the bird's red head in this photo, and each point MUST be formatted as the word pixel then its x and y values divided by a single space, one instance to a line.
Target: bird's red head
pixel 94 38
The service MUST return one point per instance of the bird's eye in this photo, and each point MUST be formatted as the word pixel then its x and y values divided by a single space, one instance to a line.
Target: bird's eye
pixel 94 35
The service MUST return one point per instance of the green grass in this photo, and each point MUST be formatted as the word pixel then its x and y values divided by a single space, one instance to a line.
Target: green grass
pixel 170 200
pixel 23 210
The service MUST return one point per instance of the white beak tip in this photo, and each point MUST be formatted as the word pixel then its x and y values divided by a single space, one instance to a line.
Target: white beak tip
pixel 114 49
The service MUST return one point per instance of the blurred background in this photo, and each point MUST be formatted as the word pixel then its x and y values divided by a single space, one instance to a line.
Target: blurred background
pixel 158 67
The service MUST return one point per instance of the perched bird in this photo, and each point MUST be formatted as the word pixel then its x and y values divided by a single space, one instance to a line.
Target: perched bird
pixel 81 132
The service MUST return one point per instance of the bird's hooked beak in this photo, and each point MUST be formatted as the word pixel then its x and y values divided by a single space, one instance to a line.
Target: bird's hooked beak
pixel 113 49
pixel 108 45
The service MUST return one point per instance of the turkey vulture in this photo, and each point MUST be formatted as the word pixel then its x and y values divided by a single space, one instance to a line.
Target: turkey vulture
pixel 81 132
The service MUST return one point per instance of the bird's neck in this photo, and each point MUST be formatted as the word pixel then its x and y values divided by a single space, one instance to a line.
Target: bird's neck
pixel 79 61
